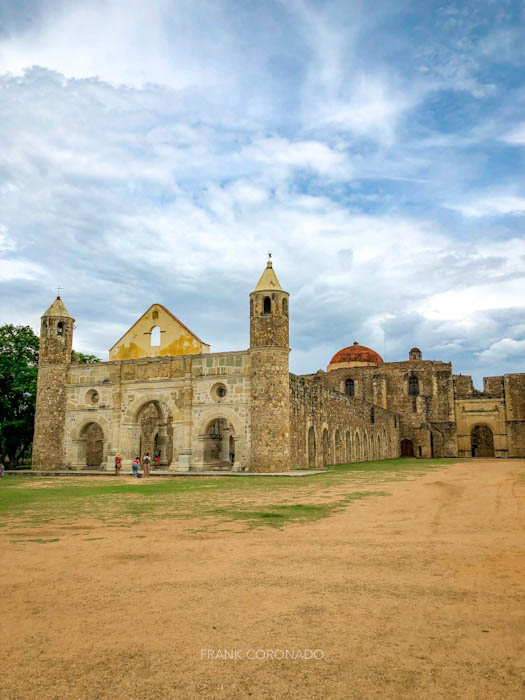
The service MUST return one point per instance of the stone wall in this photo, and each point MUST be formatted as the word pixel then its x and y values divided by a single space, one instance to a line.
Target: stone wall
pixel 328 427
pixel 185 394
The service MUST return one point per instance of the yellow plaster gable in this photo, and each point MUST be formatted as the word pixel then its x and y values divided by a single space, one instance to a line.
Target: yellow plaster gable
pixel 175 338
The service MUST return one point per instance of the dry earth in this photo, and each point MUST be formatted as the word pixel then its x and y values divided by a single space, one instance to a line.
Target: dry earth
pixel 418 594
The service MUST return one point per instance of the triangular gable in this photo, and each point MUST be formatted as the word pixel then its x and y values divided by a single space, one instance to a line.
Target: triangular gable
pixel 175 337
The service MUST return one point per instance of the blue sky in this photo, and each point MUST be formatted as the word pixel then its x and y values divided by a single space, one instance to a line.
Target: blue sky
pixel 154 152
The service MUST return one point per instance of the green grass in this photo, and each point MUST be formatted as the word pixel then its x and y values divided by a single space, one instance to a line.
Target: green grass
pixel 26 500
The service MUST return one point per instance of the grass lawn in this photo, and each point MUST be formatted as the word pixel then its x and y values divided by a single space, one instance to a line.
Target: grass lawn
pixel 256 502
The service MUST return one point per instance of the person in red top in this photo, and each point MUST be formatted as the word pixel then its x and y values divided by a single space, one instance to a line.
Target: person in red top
pixel 118 464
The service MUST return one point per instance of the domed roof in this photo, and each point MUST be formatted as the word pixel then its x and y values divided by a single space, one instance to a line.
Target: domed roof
pixel 355 355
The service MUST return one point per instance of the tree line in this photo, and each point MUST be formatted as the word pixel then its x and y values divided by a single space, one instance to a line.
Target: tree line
pixel 19 347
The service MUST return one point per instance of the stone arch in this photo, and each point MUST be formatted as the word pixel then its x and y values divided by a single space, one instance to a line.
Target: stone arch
pixel 91 443
pixel 231 426
pixel 385 445
pixel 378 447
pixel 311 447
pixel 348 446
pixel 326 447
pixel 149 422
pixel 407 448
pixel 482 441
pixel 338 447
pixel 357 447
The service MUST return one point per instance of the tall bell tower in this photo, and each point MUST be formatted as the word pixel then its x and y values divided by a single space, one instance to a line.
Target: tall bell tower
pixel 56 341
pixel 270 377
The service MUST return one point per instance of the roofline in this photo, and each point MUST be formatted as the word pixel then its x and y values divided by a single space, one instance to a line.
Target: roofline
pixel 169 314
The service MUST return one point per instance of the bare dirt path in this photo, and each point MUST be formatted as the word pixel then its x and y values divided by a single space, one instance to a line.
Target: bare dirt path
pixel 418 594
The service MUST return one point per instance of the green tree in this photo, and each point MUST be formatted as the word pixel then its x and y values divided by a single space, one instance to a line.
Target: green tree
pixel 18 374
pixel 83 359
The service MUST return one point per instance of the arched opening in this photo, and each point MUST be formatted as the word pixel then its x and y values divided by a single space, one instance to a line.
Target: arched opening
pixel 349 387
pixel 251 307
pixel 407 448
pixel 339 459
pixel 482 441
pixel 92 438
pixel 311 448
pixel 285 306
pixel 267 305
pixel 365 447
pixel 60 329
pixel 219 445
pixel 156 435
pixel 413 385
pixel 357 448
pixel 348 443
pixel 155 336
pixel 378 447
pixel 372 415
pixel 326 448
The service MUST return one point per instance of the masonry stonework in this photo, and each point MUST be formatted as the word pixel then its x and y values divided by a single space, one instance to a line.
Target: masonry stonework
pixel 244 411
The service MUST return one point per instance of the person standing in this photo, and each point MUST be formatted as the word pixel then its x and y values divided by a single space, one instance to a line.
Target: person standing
pixel 118 464
pixel 135 466
pixel 157 457
pixel 146 462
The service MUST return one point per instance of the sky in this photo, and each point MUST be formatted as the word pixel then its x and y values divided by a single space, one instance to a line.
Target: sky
pixel 156 151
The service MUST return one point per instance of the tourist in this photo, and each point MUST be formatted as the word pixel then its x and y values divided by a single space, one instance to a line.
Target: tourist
pixel 157 457
pixel 146 462
pixel 118 464
pixel 135 466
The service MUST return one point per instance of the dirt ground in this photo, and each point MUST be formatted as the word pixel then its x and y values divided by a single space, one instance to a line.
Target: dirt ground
pixel 418 594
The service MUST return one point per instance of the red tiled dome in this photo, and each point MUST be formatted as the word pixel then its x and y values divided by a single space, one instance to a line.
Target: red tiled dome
pixel 356 353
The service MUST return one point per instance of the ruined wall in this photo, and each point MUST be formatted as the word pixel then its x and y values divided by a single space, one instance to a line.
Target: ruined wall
pixel 328 427
pixel 481 412
pixel 514 387
pixel 183 392
pixel 427 417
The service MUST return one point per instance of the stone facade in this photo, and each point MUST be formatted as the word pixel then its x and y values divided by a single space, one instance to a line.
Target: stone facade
pixel 243 410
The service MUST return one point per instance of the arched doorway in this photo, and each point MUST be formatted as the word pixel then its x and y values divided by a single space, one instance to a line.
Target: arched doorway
pixel 326 448
pixel 311 448
pixel 407 448
pixel 219 445
pixel 93 445
pixel 357 448
pixel 156 434
pixel 348 443
pixel 482 441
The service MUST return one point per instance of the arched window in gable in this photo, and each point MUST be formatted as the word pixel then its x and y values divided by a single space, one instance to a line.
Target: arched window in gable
pixel 155 336
pixel 350 387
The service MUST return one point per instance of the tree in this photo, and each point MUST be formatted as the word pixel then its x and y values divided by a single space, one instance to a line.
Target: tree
pixel 18 374
pixel 83 359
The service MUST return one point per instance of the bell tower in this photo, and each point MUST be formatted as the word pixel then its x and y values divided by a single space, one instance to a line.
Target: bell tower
pixel 56 341
pixel 270 377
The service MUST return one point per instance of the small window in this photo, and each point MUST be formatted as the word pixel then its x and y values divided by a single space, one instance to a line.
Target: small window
pixel 251 307
pixel 413 385
pixel 155 315
pixel 285 306
pixel 349 387
pixel 267 309
pixel 372 415
pixel 395 421
pixel 60 329
pixel 155 336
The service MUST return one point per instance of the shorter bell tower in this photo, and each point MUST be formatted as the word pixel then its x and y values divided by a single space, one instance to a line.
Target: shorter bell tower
pixel 270 376
pixel 56 341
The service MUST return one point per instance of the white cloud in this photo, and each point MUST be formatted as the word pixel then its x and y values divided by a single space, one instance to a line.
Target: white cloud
pixel 491 205
pixel 502 349
pixel 516 135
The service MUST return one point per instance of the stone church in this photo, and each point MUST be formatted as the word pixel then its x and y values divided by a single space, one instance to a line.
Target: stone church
pixel 162 391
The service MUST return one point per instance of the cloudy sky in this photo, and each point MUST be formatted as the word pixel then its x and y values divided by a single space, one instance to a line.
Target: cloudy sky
pixel 155 151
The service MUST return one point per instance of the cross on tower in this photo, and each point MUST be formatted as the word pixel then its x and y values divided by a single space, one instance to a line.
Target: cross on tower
pixel 269 255
pixel 58 291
